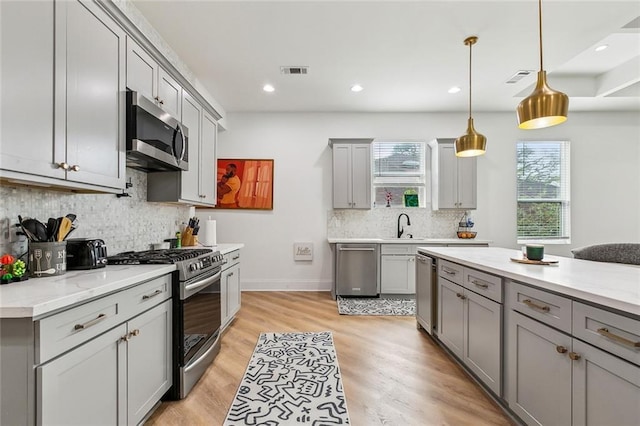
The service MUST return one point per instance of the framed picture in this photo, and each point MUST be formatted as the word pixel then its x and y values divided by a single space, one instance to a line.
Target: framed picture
pixel 244 184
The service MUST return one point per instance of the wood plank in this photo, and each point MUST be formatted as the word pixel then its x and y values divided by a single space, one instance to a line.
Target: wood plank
pixel 393 373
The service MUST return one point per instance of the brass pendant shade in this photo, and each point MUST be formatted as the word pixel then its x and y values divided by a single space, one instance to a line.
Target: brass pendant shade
pixel 472 143
pixel 545 107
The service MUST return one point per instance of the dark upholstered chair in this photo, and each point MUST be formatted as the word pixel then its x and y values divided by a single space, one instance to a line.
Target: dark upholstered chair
pixel 628 253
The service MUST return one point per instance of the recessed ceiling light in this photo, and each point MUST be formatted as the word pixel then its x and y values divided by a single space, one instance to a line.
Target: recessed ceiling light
pixel 268 88
pixel 356 88
pixel 454 89
pixel 601 47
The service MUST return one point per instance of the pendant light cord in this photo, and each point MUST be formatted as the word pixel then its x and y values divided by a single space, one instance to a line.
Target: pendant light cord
pixel 540 30
pixel 470 47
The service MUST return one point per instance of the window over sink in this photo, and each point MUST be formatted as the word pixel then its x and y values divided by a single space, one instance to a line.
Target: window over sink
pixel 543 192
pixel 399 173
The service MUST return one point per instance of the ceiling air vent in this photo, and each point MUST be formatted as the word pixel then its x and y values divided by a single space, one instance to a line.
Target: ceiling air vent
pixel 294 70
pixel 519 76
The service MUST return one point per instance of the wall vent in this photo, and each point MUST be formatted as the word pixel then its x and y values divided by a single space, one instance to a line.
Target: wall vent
pixel 519 76
pixel 294 70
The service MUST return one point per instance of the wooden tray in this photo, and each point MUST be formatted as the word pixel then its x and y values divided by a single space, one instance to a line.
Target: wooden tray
pixel 535 262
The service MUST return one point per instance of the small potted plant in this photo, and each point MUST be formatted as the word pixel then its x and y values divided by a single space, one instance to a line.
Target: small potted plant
pixel 11 269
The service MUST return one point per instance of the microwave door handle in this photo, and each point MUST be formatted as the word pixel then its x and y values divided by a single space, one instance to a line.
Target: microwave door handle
pixel 184 143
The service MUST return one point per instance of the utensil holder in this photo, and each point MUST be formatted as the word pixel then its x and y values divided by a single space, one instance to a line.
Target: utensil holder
pixel 47 259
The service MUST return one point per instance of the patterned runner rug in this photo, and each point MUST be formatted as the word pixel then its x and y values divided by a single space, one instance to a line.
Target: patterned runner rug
pixel 376 306
pixel 291 379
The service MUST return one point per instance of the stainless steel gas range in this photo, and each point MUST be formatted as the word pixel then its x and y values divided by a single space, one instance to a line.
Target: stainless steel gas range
pixel 196 309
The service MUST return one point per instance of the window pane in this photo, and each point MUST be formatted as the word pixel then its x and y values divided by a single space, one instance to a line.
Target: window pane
pixel 398 159
pixel 543 190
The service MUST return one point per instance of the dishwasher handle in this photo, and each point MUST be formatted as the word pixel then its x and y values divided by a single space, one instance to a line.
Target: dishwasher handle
pixel 357 249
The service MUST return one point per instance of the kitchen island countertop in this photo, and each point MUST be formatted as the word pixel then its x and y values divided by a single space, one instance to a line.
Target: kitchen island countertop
pixel 611 285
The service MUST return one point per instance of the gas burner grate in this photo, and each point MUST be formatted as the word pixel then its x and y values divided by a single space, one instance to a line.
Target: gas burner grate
pixel 156 256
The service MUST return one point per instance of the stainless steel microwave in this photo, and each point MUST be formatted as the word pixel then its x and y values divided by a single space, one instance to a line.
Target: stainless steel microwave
pixel 156 141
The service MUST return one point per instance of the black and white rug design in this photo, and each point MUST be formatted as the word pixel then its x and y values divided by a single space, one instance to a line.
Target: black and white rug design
pixel 291 379
pixel 376 306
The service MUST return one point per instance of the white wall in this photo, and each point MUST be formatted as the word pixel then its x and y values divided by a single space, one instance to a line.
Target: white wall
pixel 605 173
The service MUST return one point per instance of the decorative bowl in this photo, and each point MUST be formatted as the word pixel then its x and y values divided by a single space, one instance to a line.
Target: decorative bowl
pixel 466 234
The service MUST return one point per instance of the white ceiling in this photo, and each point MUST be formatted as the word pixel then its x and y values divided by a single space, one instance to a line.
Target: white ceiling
pixel 406 54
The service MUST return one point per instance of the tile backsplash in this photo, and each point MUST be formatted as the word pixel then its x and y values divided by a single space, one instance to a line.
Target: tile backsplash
pixel 126 223
pixel 383 223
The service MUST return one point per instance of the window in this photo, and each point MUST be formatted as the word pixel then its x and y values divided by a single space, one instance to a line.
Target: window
pixel 543 191
pixel 399 174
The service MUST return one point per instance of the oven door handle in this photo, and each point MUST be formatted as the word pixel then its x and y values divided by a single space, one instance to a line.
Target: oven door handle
pixel 201 358
pixel 191 289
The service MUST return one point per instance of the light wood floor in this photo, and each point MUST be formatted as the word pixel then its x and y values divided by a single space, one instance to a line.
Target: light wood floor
pixel 393 373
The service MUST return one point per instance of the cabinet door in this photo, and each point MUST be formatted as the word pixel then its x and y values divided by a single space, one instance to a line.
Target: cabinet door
pixel 467 182
pixel 606 389
pixel 90 92
pixel 142 70
pixel 149 360
pixel 451 316
pixel 27 87
pixel 342 198
pixel 447 177
pixel 233 290
pixel 208 161
pixel 86 385
pixel 539 372
pixel 483 339
pixel 398 275
pixel 361 176
pixel 169 93
pixel 191 115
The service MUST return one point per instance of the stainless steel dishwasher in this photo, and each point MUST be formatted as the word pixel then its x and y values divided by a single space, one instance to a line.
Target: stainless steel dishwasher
pixel 426 292
pixel 357 269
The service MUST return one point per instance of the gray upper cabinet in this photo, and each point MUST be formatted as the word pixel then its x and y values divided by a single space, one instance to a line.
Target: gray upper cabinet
pixel 78 138
pixel 197 186
pixel 453 179
pixel 145 76
pixel 351 173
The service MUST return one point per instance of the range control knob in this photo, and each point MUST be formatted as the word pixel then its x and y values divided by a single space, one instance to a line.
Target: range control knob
pixel 193 267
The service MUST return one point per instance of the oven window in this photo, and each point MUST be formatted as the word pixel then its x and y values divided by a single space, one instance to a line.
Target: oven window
pixel 202 317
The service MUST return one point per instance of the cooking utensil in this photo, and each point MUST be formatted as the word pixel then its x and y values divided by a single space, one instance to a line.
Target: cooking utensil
pixel 71 217
pixel 65 227
pixel 52 229
pixel 37 231
pixel 30 235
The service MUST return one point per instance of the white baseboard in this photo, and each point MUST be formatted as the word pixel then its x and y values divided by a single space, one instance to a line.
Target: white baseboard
pixel 286 285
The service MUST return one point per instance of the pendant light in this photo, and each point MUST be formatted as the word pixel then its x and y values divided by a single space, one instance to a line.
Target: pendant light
pixel 545 107
pixel 472 143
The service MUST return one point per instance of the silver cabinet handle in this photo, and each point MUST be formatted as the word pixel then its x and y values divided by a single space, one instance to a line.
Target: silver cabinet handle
pixel 561 349
pixel 74 168
pixel 229 274
pixel 63 166
pixel 574 356
pixel 236 257
pixel 154 294
pixel 90 323
pixel 356 249
pixel 448 271
pixel 461 296
pixel 480 284
pixel 530 304
pixel 606 333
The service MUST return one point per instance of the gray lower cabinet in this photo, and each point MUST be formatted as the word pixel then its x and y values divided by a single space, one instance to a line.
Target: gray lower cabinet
pixel 470 325
pixel 556 375
pixel 230 287
pixel 398 274
pixel 107 361
pixel 80 141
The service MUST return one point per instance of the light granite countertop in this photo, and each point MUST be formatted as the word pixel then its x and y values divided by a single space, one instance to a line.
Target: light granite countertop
pixel 611 285
pixel 418 241
pixel 38 297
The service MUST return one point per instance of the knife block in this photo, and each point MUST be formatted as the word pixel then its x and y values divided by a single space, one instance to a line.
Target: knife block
pixel 188 239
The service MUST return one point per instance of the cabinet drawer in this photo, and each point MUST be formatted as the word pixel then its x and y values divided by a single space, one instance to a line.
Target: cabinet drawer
pixel 451 271
pixel 138 299
pixel 231 259
pixel 398 249
pixel 65 330
pixel 482 283
pixel 546 307
pixel 609 331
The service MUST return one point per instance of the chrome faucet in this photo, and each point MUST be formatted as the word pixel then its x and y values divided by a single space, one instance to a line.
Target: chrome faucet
pixel 401 229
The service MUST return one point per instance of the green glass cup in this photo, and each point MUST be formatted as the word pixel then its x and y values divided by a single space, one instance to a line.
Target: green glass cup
pixel 535 251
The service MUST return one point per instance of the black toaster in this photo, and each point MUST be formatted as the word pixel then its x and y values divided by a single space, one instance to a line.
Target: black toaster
pixel 86 253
